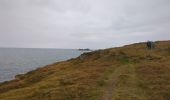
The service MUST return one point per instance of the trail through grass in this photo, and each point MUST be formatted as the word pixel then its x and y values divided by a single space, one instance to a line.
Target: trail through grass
pixel 124 85
pixel 125 73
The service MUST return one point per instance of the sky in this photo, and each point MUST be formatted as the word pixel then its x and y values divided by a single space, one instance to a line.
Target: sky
pixel 82 23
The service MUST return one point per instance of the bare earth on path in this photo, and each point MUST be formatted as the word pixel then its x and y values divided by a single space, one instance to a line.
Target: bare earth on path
pixel 123 85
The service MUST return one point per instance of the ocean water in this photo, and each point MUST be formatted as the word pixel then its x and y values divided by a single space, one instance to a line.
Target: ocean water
pixel 15 61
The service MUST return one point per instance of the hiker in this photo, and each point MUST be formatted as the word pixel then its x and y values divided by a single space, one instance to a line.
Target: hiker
pixel 150 45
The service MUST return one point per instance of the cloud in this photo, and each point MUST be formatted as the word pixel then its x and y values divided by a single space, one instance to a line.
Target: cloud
pixel 82 23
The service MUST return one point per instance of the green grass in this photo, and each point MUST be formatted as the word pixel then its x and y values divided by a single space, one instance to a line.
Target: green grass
pixel 124 73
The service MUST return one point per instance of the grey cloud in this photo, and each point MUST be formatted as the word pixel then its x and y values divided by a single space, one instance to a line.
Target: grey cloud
pixel 82 23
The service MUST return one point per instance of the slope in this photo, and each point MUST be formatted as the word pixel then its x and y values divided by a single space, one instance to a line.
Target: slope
pixel 131 72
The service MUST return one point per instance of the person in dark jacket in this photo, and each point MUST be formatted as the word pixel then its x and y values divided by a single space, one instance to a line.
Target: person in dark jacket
pixel 150 45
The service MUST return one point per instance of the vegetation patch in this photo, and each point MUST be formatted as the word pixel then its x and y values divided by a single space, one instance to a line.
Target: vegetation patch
pixel 131 72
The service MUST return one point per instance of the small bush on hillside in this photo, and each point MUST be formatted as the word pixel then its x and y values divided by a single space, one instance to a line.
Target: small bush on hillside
pixel 101 82
pixel 65 82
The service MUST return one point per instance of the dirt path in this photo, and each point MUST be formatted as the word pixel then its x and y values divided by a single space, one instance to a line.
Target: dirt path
pixel 124 85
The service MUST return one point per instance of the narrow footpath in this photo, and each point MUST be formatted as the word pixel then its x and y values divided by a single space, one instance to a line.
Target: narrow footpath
pixel 124 85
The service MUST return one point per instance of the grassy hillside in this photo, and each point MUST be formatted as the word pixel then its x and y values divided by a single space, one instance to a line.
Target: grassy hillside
pixel 131 72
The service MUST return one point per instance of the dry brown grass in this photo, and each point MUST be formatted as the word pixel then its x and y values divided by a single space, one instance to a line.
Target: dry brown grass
pixel 156 79
pixel 86 77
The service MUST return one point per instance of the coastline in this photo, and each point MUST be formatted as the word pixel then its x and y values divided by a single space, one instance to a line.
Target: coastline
pixel 110 73
pixel 19 61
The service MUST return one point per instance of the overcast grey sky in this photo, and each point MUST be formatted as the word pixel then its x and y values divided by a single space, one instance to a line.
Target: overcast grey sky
pixel 82 23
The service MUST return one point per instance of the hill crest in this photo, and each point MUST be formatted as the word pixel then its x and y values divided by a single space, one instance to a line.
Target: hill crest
pixel 131 71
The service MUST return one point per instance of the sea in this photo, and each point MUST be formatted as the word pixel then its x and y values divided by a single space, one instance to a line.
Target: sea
pixel 14 61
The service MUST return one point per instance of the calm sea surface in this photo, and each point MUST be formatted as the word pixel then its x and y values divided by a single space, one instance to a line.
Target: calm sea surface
pixel 17 61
